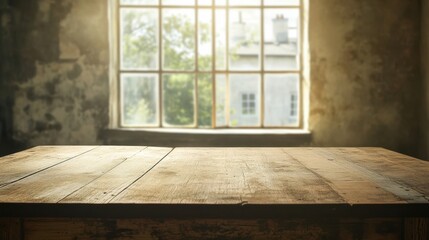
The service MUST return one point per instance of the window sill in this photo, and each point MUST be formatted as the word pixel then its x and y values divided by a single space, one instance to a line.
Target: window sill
pixel 208 137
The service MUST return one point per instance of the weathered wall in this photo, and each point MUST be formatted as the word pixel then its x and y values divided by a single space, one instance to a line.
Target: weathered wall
pixel 425 75
pixel 364 68
pixel 6 74
pixel 365 73
pixel 61 80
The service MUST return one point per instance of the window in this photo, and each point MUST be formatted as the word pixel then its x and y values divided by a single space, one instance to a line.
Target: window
pixel 248 104
pixel 293 105
pixel 208 63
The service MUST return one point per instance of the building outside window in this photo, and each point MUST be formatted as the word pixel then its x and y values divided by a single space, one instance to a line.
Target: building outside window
pixel 208 63
pixel 248 103
pixel 293 105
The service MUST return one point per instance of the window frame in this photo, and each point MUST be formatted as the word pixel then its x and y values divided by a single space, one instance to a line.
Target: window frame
pixel 115 66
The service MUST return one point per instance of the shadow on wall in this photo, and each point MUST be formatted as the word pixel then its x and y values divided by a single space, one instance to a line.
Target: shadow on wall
pixel 7 144
pixel 7 62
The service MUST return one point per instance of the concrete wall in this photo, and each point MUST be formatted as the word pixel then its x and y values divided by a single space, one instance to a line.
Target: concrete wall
pixel 60 76
pixel 365 73
pixel 364 67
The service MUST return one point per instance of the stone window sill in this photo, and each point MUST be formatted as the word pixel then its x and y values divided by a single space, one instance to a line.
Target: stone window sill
pixel 208 137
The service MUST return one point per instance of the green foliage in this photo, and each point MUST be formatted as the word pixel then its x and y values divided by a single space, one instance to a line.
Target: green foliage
pixel 178 43
pixel 178 99
pixel 205 100
pixel 139 96
pixel 139 40
pixel 140 47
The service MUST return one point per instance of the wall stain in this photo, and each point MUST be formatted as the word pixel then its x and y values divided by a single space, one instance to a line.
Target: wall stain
pixel 75 72
pixel 364 67
pixel 61 94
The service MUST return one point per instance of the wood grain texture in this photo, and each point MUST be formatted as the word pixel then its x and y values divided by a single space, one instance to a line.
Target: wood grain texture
pixel 416 228
pixel 197 229
pixel 10 228
pixel 229 176
pixel 353 184
pixel 124 192
pixel 238 176
pixel 398 167
pixel 106 187
pixel 403 176
pixel 19 165
pixel 53 184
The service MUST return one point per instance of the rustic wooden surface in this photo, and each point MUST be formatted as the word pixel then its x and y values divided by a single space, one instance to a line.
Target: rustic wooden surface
pixel 129 192
pixel 237 176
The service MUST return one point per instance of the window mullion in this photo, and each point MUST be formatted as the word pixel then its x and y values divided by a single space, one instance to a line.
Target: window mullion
pixel 262 61
pixel 117 14
pixel 196 66
pixel 228 90
pixel 160 53
pixel 213 64
pixel 301 61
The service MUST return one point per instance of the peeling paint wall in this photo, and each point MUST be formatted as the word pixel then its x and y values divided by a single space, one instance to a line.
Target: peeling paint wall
pixel 365 86
pixel 365 73
pixel 61 87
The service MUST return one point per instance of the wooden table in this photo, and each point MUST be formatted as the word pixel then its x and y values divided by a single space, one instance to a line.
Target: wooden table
pixel 125 192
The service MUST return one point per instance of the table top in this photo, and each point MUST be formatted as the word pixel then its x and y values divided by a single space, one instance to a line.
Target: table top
pixel 127 180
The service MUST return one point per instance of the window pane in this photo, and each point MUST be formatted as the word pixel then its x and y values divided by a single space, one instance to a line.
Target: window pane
pixel 244 3
pixel 220 39
pixel 205 93
pixel 205 39
pixel 139 94
pixel 178 99
pixel 139 39
pixel 244 39
pixel 205 2
pixel 220 2
pixel 239 85
pixel 178 2
pixel 221 104
pixel 280 92
pixel 281 2
pixel 178 39
pixel 281 39
pixel 140 2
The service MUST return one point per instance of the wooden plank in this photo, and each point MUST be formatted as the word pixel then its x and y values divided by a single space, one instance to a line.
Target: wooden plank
pixel 396 158
pixel 104 188
pixel 22 164
pixel 409 184
pixel 399 167
pixel 193 229
pixel 416 229
pixel 351 183
pixel 10 228
pixel 370 228
pixel 229 176
pixel 53 184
